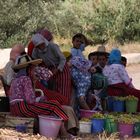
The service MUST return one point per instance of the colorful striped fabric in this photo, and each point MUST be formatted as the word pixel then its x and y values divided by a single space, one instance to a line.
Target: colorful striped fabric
pixel 24 109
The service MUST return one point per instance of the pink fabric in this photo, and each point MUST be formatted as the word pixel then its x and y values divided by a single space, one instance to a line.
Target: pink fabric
pixel 43 73
pixel 19 87
pixel 16 51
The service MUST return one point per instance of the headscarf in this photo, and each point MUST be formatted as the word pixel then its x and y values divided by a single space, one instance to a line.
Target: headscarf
pixel 46 33
pixel 114 57
pixel 16 51
pixel 38 39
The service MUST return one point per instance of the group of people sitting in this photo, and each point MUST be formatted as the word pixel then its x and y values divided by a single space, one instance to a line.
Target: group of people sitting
pixel 62 77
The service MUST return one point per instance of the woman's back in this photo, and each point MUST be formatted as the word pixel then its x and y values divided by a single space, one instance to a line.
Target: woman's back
pixel 116 73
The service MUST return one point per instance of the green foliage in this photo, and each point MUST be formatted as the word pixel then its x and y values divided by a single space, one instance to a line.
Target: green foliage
pixel 85 119
pixel 100 20
pixel 111 116
pixel 97 115
pixel 137 117
pixel 120 98
pixel 131 97
pixel 127 118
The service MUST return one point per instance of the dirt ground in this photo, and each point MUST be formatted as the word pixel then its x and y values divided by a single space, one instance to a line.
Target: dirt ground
pixel 134 72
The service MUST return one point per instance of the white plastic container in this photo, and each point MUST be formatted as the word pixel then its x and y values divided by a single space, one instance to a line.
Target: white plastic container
pixel 85 127
pixel 49 126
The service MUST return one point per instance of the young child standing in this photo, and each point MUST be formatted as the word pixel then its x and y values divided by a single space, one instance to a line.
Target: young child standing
pixel 80 71
pixel 79 42
pixel 98 80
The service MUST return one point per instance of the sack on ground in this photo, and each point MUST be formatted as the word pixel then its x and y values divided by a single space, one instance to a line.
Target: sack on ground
pixel 19 123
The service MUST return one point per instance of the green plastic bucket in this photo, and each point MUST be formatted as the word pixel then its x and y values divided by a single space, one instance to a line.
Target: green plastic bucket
pixel 131 106
pixel 137 129
pixel 110 125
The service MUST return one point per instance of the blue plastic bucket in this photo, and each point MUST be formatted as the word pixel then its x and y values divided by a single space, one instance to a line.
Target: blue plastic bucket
pixel 118 106
pixel 109 103
pixel 97 125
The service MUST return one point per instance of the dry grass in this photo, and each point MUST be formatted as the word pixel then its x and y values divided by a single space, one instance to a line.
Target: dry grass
pixel 101 136
pixel 105 136
pixel 126 48
pixel 133 47
pixel 7 134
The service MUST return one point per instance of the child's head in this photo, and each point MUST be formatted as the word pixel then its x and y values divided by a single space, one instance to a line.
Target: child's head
pixel 124 60
pixel 93 57
pixel 102 59
pixel 78 39
pixel 102 55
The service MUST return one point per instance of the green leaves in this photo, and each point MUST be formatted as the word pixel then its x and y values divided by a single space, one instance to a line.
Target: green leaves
pixel 100 20
pixel 131 97
pixel 127 118
pixel 97 115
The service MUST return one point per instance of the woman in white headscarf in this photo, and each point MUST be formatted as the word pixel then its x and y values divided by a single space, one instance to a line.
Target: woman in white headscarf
pixel 54 59
pixel 8 71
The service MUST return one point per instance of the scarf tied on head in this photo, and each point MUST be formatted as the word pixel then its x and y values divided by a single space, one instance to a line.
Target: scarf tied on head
pixel 114 57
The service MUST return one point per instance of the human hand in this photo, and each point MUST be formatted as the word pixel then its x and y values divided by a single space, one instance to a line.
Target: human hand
pixel 92 69
pixel 37 99
pixel 40 99
pixel 69 64
pixel 55 71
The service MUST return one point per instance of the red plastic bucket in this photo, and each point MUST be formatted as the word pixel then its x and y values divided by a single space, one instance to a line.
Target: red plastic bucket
pixel 49 126
pixel 125 129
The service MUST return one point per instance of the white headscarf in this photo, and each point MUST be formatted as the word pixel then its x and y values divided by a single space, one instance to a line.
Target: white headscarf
pixel 16 51
pixel 38 39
